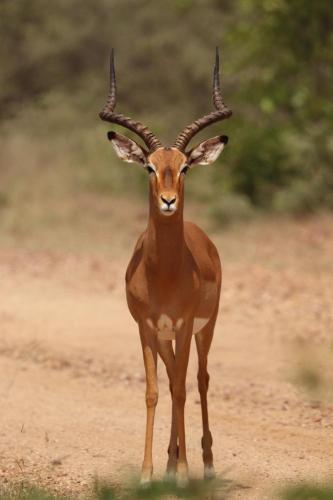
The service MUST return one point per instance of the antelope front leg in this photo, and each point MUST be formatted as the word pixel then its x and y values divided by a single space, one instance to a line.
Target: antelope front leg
pixel 149 348
pixel 183 344
pixel 165 350
pixel 203 341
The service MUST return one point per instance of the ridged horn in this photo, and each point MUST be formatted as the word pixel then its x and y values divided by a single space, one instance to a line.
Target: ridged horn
pixel 107 114
pixel 221 113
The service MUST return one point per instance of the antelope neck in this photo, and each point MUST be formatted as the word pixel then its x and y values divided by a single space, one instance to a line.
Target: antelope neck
pixel 165 243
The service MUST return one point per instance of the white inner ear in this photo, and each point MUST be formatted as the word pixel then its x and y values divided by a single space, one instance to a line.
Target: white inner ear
pixel 205 155
pixel 122 152
pixel 212 154
pixel 128 150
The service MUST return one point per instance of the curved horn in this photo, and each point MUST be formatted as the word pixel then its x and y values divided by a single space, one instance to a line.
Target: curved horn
pixel 107 114
pixel 221 113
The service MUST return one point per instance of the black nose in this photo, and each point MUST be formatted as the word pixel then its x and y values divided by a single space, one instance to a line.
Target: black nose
pixel 168 202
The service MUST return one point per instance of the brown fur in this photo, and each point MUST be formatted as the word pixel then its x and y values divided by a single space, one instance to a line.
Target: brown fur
pixel 173 280
pixel 174 275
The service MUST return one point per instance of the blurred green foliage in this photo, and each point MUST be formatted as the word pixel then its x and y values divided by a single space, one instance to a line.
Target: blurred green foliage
pixel 308 492
pixel 277 64
pixel 130 490
pixel 196 490
pixel 25 492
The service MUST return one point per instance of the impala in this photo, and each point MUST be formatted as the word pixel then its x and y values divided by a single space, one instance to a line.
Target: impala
pixel 173 280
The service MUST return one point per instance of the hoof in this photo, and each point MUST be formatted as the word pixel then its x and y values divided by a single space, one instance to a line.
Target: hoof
pixel 145 480
pixel 182 475
pixel 170 476
pixel 209 472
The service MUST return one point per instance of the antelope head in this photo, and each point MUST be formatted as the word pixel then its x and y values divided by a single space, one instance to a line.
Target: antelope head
pixel 166 166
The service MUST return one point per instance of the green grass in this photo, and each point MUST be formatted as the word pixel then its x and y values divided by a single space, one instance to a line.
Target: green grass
pixel 196 490
pixel 218 489
pixel 308 492
pixel 24 492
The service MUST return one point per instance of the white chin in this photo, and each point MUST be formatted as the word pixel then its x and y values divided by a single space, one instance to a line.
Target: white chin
pixel 167 213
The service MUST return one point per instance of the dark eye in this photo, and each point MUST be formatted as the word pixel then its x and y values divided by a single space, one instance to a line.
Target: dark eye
pixel 150 169
pixel 184 169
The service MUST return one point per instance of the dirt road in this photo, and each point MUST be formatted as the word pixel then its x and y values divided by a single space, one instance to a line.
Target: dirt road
pixel 72 383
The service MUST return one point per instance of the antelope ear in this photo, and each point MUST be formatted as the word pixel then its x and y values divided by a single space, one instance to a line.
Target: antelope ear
pixel 207 152
pixel 127 149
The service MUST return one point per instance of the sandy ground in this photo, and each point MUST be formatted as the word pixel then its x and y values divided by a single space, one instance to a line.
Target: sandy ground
pixel 72 382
